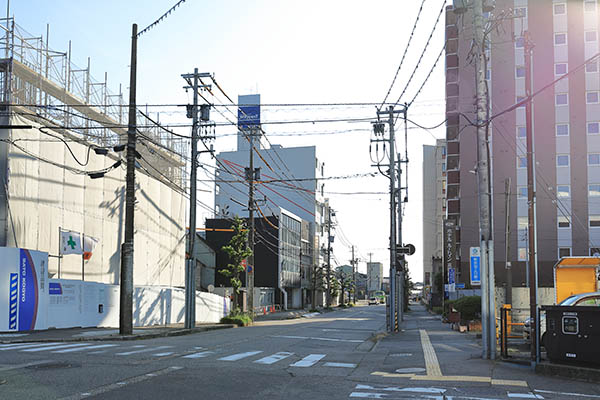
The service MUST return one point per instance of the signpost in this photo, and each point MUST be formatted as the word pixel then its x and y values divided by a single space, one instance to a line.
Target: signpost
pixel 475 266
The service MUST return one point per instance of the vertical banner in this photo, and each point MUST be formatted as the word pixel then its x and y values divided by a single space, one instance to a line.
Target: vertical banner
pixel 475 266
pixel 449 252
pixel 23 289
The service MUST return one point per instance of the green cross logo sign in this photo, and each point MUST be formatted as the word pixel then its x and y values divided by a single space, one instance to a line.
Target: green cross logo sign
pixel 71 243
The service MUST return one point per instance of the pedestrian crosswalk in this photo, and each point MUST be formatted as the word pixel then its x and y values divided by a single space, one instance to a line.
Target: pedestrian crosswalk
pixel 219 354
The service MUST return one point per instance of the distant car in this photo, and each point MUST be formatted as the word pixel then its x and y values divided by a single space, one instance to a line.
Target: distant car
pixel 583 299
pixel 373 300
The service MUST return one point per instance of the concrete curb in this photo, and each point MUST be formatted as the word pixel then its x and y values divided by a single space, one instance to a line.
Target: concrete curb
pixel 569 371
pixel 137 336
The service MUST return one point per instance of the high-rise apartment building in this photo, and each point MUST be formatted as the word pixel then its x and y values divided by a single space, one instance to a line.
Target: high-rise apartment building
pixel 566 132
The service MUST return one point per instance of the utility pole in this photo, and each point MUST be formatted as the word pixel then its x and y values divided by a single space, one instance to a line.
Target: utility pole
pixel 190 270
pixel 507 263
pixel 328 294
pixel 531 208
pixel 252 175
pixel 126 287
pixel 488 318
pixel 353 262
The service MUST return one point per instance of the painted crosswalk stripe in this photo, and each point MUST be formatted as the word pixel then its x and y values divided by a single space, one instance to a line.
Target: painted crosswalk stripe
pixel 19 346
pixel 274 358
pixel 202 354
pixel 308 361
pixel 240 356
pixel 97 346
pixel 524 395
pixel 168 353
pixel 367 395
pixel 60 346
pixel 339 365
pixel 127 353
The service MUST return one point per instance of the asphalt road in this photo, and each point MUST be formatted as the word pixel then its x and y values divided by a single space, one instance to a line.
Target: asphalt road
pixel 331 356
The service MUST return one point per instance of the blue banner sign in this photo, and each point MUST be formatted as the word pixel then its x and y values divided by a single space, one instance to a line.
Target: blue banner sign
pixel 475 266
pixel 248 111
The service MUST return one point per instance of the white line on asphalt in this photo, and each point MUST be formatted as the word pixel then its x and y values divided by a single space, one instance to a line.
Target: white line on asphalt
pixel 446 347
pixel 61 346
pixel 365 395
pixel 97 346
pixel 339 365
pixel 431 361
pixel 274 358
pixel 404 389
pixel 17 346
pixel 168 353
pixel 118 385
pixel 567 394
pixel 142 350
pixel 308 361
pixel 199 355
pixel 524 395
pixel 318 338
pixel 19 366
pixel 239 356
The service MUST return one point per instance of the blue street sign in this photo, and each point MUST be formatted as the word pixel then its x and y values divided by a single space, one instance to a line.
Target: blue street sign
pixel 450 276
pixel 460 285
pixel 475 266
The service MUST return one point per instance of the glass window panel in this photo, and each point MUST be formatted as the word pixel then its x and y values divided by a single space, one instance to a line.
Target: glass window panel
pixel 562 130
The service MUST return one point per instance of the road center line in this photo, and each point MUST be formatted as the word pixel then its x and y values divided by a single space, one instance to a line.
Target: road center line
pixel 431 361
pixel 120 384
pixel 319 338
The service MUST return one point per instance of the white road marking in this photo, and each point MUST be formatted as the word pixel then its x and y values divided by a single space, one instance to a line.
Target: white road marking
pixel 524 395
pixel 97 346
pixel 274 358
pixel 199 355
pixel 319 338
pixel 113 386
pixel 447 347
pixel 17 346
pixel 239 356
pixel 61 346
pixel 308 361
pixel 339 365
pixel 405 389
pixel 19 366
pixel 365 395
pixel 410 370
pixel 168 353
pixel 431 361
pixel 591 396
pixel 142 350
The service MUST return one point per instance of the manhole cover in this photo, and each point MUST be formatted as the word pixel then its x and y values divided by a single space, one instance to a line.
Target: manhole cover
pixel 410 370
pixel 53 365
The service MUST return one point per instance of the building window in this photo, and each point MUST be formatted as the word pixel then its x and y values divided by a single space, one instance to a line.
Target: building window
pixel 522 223
pixel 562 160
pixel 591 36
pixel 592 66
pixel 488 74
pixel 560 38
pixel 562 99
pixel 520 99
pixel 522 192
pixel 595 251
pixel 593 128
pixel 560 69
pixel 520 42
pixel 521 12
pixel 522 162
pixel 594 221
pixel 563 191
pixel 562 130
pixel 594 190
pixel 564 252
pixel 590 5
pixel 560 9
pixel 563 222
pixel 520 72
pixel 593 159
pixel 522 254
pixel 521 131
pixel 592 97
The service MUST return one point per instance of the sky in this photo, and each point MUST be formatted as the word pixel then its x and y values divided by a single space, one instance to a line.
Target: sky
pixel 291 52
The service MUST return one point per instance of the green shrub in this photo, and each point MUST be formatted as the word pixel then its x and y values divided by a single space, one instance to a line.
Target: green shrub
pixel 240 319
pixel 469 307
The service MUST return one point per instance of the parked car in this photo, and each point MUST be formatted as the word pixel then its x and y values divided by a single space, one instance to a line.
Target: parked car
pixel 373 300
pixel 582 299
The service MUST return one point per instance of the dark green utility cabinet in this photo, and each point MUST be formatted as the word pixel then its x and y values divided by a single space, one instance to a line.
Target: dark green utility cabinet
pixel 573 334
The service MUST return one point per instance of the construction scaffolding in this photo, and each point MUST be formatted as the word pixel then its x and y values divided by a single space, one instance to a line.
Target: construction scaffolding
pixel 45 85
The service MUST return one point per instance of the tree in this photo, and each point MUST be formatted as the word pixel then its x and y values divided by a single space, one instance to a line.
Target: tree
pixel 317 282
pixel 237 250
pixel 346 283
pixel 408 288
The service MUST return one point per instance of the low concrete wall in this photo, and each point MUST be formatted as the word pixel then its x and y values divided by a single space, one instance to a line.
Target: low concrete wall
pixel 75 303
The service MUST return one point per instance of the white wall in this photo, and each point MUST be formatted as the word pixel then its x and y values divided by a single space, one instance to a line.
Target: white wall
pixel 78 305
pixel 43 197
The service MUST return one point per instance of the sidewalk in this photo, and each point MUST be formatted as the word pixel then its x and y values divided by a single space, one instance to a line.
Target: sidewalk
pixel 99 334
